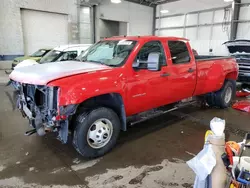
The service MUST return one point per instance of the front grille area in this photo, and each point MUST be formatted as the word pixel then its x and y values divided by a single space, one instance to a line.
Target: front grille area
pixel 244 64
pixel 40 100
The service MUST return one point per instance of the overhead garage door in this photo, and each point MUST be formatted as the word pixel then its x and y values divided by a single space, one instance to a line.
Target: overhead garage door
pixel 43 29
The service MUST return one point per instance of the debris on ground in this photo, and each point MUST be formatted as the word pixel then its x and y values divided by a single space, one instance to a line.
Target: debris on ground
pixel 242 94
pixel 242 106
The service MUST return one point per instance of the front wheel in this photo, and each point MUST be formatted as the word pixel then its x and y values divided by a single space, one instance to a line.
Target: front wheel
pixel 96 132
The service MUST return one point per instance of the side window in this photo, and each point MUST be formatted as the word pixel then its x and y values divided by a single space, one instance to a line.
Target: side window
pixel 150 47
pixel 72 55
pixel 179 52
pixel 68 56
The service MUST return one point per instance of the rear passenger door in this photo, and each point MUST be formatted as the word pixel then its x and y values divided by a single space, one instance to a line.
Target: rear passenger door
pixel 183 70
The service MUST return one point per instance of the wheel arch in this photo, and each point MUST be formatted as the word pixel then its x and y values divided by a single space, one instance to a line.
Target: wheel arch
pixel 231 76
pixel 113 101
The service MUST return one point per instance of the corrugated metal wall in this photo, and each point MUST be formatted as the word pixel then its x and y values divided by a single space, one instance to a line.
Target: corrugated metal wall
pixel 206 29
pixel 244 24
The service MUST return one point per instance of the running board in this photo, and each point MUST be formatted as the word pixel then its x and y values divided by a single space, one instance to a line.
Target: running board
pixel 161 112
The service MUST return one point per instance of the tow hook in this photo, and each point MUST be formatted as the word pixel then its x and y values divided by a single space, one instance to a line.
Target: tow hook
pixel 30 132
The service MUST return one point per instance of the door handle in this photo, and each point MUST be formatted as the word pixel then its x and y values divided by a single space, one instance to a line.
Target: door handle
pixel 165 74
pixel 190 70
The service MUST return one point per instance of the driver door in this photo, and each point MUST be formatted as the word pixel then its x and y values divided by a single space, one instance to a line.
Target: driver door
pixel 147 88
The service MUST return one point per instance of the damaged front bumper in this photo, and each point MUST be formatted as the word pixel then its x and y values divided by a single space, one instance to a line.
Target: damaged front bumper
pixel 40 104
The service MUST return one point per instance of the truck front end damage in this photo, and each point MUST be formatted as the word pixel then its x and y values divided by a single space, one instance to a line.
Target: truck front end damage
pixel 40 104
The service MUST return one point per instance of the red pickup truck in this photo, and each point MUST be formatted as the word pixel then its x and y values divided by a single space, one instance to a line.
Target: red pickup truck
pixel 117 81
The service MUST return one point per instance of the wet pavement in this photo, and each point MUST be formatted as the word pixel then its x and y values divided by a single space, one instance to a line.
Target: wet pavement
pixel 150 154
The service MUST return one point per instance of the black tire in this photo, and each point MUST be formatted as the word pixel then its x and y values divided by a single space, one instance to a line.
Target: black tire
pixel 218 98
pixel 221 95
pixel 83 124
pixel 210 99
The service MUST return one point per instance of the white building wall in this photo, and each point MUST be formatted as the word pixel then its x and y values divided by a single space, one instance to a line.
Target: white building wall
pixel 138 17
pixel 244 28
pixel 11 37
pixel 186 6
pixel 204 29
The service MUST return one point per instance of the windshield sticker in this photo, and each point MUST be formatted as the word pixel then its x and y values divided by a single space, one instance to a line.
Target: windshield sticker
pixel 125 42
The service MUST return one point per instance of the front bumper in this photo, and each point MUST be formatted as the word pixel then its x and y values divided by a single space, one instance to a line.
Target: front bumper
pixel 40 105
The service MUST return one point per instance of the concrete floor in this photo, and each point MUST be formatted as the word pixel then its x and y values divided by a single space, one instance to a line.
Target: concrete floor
pixel 150 154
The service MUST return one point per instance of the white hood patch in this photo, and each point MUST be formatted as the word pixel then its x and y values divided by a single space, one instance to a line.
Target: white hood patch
pixel 41 74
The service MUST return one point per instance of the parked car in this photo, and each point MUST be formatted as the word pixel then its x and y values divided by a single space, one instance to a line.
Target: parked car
pixel 35 56
pixel 240 49
pixel 64 53
pixel 119 81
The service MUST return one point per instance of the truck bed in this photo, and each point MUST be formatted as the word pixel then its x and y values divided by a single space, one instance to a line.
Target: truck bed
pixel 211 72
pixel 210 57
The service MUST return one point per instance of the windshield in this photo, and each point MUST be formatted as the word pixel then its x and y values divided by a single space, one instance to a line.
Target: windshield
pixel 111 53
pixel 39 53
pixel 53 55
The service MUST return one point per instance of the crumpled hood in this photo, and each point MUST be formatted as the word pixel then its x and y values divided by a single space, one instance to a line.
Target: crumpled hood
pixel 41 74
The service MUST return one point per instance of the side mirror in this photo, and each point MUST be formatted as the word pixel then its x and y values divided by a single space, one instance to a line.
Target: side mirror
pixel 154 62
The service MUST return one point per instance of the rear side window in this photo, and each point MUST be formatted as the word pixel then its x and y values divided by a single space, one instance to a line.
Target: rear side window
pixel 179 52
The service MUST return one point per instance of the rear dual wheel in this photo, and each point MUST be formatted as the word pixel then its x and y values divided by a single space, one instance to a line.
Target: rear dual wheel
pixel 96 132
pixel 224 97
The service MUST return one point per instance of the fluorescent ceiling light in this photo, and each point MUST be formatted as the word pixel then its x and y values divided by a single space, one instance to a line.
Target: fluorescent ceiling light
pixel 164 11
pixel 115 1
pixel 228 0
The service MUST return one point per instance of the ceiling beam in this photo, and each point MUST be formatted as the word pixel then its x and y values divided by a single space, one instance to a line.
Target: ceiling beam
pixel 142 2
pixel 159 2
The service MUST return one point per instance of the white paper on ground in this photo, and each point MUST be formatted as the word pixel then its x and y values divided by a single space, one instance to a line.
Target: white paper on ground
pixel 203 163
pixel 41 74
pixel 217 125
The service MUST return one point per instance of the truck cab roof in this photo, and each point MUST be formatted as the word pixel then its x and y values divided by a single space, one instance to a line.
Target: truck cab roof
pixel 137 38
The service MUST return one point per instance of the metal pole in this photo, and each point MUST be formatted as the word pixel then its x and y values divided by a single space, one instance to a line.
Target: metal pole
pixel 235 18
pixel 94 24
pixel 154 20
pixel 185 24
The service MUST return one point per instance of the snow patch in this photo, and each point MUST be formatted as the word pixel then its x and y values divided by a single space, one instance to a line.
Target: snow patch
pixel 84 165
pixel 31 169
pixel 165 174
pixel 17 182
pixel 57 170
pixel 2 168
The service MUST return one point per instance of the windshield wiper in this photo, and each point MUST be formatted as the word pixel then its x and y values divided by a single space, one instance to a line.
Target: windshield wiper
pixel 92 61
pixel 99 62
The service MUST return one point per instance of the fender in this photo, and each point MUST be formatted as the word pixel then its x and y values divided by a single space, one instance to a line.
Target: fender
pixel 78 88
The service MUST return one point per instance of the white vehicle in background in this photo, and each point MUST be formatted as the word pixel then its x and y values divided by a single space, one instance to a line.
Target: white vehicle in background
pixel 60 53
pixel 64 53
